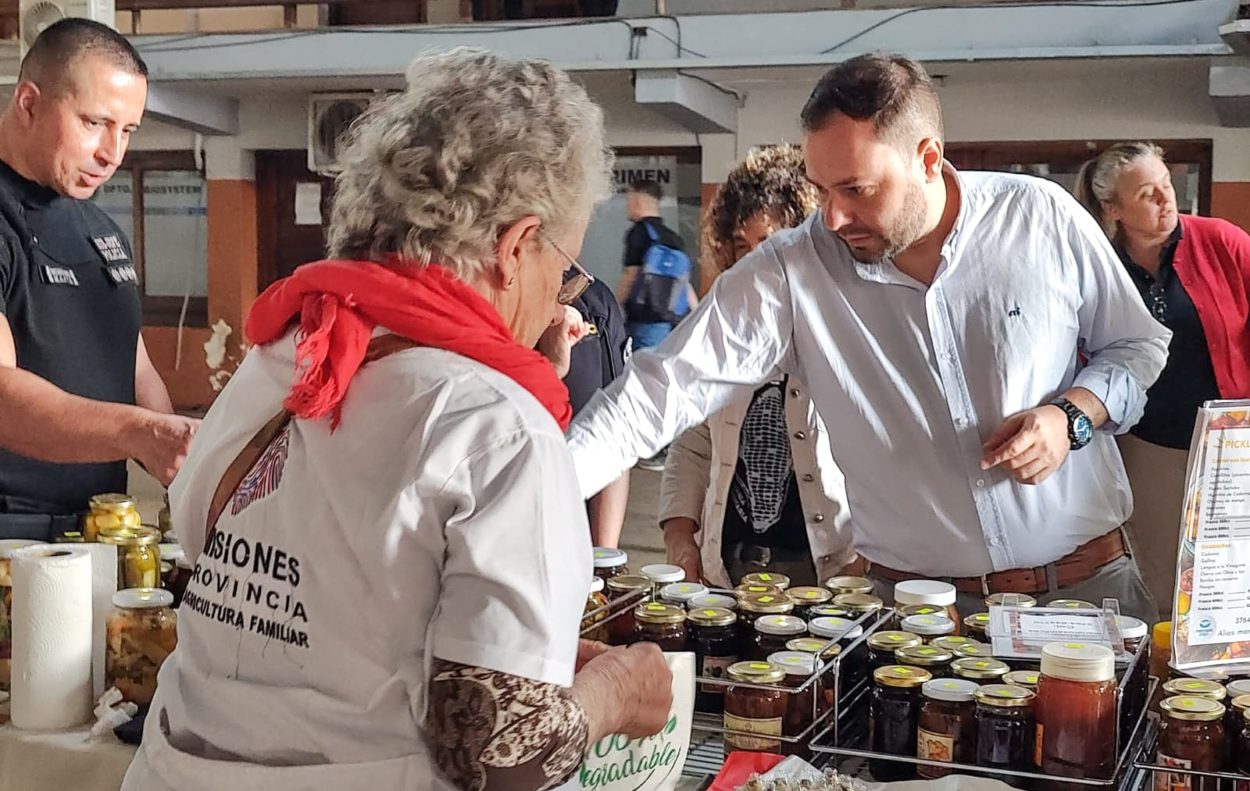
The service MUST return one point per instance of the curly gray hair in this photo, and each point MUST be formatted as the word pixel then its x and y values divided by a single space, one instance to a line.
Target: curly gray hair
pixel 475 143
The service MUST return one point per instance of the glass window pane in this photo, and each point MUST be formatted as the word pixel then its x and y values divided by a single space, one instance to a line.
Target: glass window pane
pixel 175 231
pixel 114 196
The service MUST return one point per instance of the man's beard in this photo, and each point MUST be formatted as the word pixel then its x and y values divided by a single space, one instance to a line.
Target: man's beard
pixel 905 231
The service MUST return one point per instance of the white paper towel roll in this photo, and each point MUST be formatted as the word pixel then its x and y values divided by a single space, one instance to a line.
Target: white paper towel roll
pixel 51 684
pixel 103 586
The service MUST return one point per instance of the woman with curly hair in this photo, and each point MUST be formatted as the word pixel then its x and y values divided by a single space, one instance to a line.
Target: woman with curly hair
pixel 755 487
pixel 392 554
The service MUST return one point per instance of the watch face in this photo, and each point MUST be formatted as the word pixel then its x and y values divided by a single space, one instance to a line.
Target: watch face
pixel 1083 430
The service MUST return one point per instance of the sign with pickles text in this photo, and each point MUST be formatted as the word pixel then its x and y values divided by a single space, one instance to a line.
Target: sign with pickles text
pixel 1211 621
pixel 617 763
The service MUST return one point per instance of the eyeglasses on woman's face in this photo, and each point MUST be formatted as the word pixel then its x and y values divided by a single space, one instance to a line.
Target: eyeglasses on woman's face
pixel 576 278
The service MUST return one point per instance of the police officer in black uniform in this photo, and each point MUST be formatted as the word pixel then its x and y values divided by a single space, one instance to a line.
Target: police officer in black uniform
pixel 78 393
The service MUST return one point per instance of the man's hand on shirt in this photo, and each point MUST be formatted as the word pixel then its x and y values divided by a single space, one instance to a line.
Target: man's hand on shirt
pixel 680 548
pixel 159 442
pixel 1030 445
pixel 567 328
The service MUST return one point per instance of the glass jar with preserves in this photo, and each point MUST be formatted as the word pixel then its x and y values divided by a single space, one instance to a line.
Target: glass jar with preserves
pixel 931 592
pixel 842 629
pixel 772 632
pixel 828 611
pixel 1133 631
pixel 595 613
pixel 952 641
pixel 1195 688
pixel 1017 600
pixel 779 581
pixel 714 640
pixel 982 671
pixel 932 659
pixel 824 651
pixel 840 585
pixel 894 718
pixel 7 548
pixel 858 604
pixel 928 627
pixel 108 511
pixel 802 708
pixel 754 718
pixel 1191 736
pixel 170 555
pixel 1233 718
pixel 138 555
pixel 974 651
pixel 1238 687
pixel 1022 678
pixel 977 626
pixel 1242 765
pixel 628 590
pixel 743 591
pixel 947 728
pixel 662 624
pixel 142 631
pixel 1076 711
pixel 662 574
pixel 610 562
pixel 756 606
pixel 680 593
pixel 1071 604
pixel 805 598
pixel 1005 728
pixel 165 520
pixel 882 645
pixel 710 601
pixel 919 609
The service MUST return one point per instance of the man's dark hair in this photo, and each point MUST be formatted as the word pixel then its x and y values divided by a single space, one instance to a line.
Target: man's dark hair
pixel 647 187
pixel 63 43
pixel 893 92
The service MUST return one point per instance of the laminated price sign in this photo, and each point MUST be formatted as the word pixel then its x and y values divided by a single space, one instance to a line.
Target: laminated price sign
pixel 1211 613
pixel 617 763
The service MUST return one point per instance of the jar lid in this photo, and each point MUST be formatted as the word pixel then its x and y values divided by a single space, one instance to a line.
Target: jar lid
pixel 928 625
pixel 1161 634
pixel 111 502
pixel 596 583
pixel 767 603
pixel 1005 696
pixel 1021 600
pixel 979 621
pixel 755 672
pixel 973 651
pixel 835 628
pixel 809 595
pixel 952 641
pixel 143 598
pixel 1240 703
pixel 979 669
pixel 828 611
pixel 901 676
pixel 627 583
pixel 923 655
pixel 708 600
pixel 1072 604
pixel 682 591
pixel 1184 707
pixel 1195 687
pixel 742 591
pixel 858 602
pixel 1238 687
pixel 892 640
pixel 711 616
pixel 1132 628
pixel 849 584
pixel 780 625
pixel 1022 678
pixel 609 558
pixel 129 536
pixel 174 552
pixel 924 592
pixel 920 609
pixel 10 545
pixel 766 578
pixel 653 612
pixel 663 573
pixel 795 663
pixel 950 690
pixel 1081 662
pixel 814 645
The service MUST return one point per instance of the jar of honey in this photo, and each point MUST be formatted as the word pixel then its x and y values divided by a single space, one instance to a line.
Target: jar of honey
pixel 1076 711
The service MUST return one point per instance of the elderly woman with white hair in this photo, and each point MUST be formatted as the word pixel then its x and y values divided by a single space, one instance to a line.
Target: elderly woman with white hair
pixel 392 555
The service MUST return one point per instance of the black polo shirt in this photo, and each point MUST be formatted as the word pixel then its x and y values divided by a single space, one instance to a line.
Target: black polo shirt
pixel 1188 378
pixel 68 291
pixel 600 358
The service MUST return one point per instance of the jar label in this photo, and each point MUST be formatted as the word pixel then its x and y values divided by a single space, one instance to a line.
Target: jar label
pixel 741 725
pixel 932 746
pixel 1171 781
pixel 715 667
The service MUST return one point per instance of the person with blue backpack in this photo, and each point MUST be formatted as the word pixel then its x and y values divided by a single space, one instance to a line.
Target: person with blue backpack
pixel 655 290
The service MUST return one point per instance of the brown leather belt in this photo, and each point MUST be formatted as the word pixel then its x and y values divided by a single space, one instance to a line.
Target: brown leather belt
pixel 1071 569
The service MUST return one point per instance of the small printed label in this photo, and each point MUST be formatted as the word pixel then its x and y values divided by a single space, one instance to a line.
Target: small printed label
pixel 123 274
pixel 1171 781
pixel 741 725
pixel 59 276
pixel 932 746
pixel 110 247
pixel 715 667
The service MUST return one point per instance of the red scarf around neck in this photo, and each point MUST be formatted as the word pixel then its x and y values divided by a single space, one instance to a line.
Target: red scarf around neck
pixel 339 303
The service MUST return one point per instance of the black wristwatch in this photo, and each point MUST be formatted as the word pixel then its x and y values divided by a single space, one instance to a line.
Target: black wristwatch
pixel 1080 427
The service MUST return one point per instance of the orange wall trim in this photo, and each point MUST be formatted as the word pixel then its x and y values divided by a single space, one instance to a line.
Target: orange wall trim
pixel 187 377
pixel 1230 200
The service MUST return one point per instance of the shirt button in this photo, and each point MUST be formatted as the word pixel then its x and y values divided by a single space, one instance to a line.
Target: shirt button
pixel 800 435
pixel 818 518
pixel 794 392
pixel 980 483
pixel 34 240
pixel 808 477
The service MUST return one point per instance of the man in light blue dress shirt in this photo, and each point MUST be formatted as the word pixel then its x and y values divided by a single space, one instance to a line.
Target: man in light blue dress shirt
pixel 970 339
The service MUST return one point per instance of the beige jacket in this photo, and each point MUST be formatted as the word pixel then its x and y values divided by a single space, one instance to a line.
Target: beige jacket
pixel 701 465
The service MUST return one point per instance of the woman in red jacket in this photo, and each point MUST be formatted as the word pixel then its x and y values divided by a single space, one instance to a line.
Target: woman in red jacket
pixel 1194 274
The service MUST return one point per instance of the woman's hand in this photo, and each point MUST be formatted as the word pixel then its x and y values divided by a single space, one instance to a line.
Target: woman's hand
pixel 567 328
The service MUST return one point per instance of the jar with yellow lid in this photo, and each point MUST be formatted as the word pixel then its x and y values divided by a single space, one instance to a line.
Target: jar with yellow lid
pixel 882 645
pixel 952 641
pixel 828 611
pixel 1022 678
pixel 1195 688
pixel 595 612
pixel 742 591
pixel 109 511
pixel 142 631
pixel 1071 604
pixel 1006 728
pixel 840 585
pixel 753 607
pixel 1010 600
pixel 806 597
pixel 977 626
pixel 935 660
pixel 894 719
pixel 780 581
pixel 662 624
pixel 138 555
pixel 1191 736
pixel 628 589
pixel 982 671
pixel 714 640
pixel 754 718
pixel 973 651
pixel 858 604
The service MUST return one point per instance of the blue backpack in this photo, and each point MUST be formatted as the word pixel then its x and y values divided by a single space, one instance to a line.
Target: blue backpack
pixel 659 293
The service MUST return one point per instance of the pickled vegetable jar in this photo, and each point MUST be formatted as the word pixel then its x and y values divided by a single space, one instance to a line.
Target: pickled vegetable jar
pixel 138 555
pixel 109 511
pixel 142 632
pixel 7 548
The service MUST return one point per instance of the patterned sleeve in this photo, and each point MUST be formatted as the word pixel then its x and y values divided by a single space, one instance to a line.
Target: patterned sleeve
pixel 489 730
